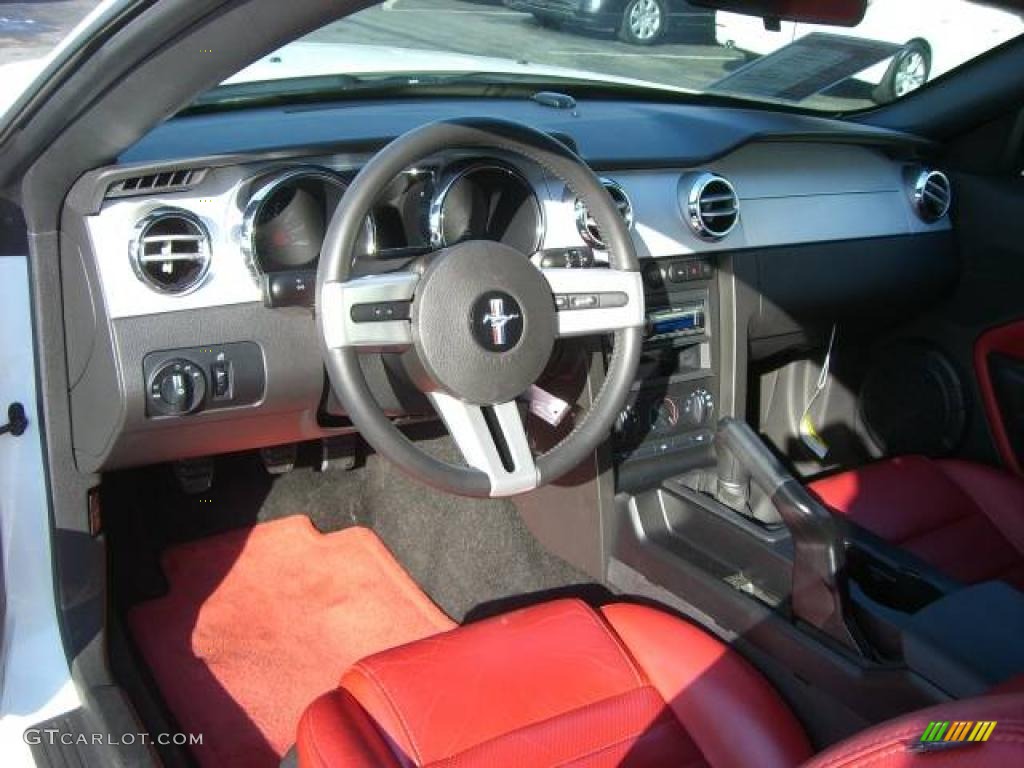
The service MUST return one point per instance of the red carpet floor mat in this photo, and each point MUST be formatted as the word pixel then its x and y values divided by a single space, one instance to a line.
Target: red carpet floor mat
pixel 259 622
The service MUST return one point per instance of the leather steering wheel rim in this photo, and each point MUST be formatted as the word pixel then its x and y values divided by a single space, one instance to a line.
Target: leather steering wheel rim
pixel 335 266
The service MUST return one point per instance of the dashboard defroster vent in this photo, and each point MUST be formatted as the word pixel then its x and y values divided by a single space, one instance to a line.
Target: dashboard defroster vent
pixel 170 251
pixel 587 226
pixel 931 195
pixel 710 206
pixel 150 183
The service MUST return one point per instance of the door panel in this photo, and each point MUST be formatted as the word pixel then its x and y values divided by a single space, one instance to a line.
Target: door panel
pixel 999 366
pixel 982 324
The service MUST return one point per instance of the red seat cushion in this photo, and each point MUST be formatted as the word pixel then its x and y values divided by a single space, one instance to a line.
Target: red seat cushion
pixel 897 743
pixel 555 685
pixel 964 518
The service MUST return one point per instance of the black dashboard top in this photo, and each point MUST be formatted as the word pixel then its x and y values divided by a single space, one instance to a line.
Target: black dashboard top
pixel 607 134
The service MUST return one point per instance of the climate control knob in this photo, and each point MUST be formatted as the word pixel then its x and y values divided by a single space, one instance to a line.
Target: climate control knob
pixel 699 408
pixel 664 415
pixel 178 387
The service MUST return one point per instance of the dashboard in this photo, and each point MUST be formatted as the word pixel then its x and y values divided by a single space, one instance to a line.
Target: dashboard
pixel 190 264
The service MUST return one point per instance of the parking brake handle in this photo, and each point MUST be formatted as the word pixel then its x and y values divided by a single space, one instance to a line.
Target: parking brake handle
pixel 819 595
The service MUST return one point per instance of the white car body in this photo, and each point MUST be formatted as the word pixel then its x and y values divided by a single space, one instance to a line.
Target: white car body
pixel 36 683
pixel 954 31
pixel 15 76
pixel 35 677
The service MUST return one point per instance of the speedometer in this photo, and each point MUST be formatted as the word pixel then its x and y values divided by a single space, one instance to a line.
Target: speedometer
pixel 286 220
pixel 488 202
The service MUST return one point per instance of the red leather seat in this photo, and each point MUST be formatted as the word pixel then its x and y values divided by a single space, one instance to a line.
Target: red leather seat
pixel 964 518
pixel 562 685
pixel 555 685
pixel 897 743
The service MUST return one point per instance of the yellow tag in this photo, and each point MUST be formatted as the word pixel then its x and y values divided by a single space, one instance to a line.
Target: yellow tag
pixel 809 436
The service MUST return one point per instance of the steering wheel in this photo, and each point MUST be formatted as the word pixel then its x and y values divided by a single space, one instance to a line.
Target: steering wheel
pixel 478 322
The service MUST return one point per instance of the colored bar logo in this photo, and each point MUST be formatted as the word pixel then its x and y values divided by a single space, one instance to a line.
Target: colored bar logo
pixel 958 731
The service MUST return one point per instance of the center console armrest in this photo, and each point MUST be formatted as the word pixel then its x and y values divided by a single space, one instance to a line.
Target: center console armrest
pixel 968 640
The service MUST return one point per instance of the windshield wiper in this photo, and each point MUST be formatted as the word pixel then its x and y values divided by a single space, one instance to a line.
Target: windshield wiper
pixel 325 87
pixel 262 90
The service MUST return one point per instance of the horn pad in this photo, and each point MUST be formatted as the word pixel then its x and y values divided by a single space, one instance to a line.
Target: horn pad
pixel 483 322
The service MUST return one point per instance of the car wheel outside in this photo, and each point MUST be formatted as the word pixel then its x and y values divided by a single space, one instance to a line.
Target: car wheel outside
pixel 908 71
pixel 643 22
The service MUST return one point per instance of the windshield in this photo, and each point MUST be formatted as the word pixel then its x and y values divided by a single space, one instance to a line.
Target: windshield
pixel 900 46
pixel 29 33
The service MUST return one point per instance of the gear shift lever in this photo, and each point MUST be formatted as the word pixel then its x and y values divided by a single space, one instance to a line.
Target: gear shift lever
pixel 819 558
pixel 733 486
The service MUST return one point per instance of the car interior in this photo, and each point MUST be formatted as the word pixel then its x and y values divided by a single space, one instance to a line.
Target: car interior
pixel 519 426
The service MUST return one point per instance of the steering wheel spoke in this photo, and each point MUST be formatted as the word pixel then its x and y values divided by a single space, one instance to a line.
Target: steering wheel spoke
pixel 491 439
pixel 595 301
pixel 369 313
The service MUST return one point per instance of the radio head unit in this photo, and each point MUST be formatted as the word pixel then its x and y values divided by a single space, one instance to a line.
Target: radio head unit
pixel 689 319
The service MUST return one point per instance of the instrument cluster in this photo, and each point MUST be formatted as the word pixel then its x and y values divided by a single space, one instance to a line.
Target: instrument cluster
pixel 286 218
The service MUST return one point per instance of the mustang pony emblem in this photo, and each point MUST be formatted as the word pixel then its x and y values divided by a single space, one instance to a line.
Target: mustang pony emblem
pixel 497 320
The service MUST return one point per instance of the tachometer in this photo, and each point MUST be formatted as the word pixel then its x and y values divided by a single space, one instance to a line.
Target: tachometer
pixel 286 220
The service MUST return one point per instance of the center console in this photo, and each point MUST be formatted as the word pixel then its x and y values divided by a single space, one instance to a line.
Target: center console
pixel 875 631
pixel 671 410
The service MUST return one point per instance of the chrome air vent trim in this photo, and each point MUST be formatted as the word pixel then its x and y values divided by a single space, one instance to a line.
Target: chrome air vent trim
pixel 931 195
pixel 711 207
pixel 171 251
pixel 585 223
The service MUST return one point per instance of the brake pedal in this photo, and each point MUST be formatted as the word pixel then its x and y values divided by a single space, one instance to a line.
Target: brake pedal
pixel 279 459
pixel 337 453
pixel 194 476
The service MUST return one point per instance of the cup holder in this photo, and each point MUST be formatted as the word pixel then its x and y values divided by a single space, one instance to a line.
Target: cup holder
pixel 889 584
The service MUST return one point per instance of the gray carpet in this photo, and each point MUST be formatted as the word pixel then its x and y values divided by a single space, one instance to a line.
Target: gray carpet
pixel 473 557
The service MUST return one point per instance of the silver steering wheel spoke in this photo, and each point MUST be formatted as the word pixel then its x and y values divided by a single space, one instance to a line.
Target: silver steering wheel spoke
pixel 596 301
pixel 369 314
pixel 478 430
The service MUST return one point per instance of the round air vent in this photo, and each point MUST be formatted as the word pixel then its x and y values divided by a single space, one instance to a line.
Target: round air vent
pixel 585 223
pixel 711 206
pixel 171 251
pixel 931 195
